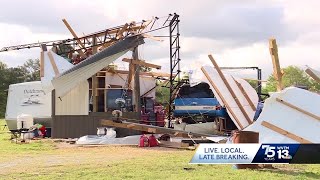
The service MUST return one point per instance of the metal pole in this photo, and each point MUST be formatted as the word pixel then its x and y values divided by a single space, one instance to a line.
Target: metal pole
pixel 171 76
pixel 259 83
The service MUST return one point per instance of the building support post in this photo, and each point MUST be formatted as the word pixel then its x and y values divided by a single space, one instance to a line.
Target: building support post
pixel 136 85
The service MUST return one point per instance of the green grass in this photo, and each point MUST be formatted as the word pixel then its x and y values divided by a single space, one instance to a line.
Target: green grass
pixel 47 162
pixel 9 148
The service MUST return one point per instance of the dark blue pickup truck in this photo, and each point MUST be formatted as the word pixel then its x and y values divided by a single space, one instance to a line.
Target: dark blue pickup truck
pixel 197 104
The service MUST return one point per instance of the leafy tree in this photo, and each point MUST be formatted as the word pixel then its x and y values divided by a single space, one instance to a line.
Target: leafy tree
pixel 253 83
pixel 31 69
pixel 162 93
pixel 293 76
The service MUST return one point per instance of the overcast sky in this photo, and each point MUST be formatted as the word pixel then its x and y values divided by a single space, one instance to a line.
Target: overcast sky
pixel 235 32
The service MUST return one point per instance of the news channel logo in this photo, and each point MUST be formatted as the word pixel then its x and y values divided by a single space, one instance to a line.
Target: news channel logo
pixel 256 154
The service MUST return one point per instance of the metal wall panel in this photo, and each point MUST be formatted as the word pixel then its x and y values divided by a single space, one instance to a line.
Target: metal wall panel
pixel 75 126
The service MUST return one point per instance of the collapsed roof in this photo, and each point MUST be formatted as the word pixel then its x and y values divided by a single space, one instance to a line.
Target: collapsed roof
pixel 70 78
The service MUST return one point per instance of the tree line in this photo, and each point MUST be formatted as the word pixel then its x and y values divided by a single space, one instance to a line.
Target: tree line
pixel 293 76
pixel 29 71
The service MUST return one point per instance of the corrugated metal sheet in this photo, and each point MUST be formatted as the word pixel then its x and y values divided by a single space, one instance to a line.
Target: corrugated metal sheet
pixel 75 102
pixel 84 70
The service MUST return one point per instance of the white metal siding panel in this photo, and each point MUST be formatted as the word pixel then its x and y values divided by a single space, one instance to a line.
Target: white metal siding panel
pixel 75 102
pixel 65 83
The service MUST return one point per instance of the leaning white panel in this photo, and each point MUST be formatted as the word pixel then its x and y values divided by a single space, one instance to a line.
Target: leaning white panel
pixel 65 83
pixel 225 94
pixel 289 119
pixel 48 73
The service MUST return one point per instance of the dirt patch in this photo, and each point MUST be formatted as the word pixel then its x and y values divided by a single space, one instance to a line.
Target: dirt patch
pixel 72 154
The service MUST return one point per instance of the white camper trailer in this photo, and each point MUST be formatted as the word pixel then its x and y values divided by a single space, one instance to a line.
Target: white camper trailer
pixel 28 98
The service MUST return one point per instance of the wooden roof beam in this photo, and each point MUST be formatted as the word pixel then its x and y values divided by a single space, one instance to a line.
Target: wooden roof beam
pixel 141 63
pixel 76 37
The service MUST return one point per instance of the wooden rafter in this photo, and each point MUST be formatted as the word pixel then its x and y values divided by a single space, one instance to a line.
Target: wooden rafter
pixel 284 132
pixel 253 107
pixel 76 37
pixel 41 64
pixel 121 31
pixel 298 109
pixel 152 74
pixel 141 63
pixel 249 79
pixel 53 63
pixel 222 98
pixel 230 89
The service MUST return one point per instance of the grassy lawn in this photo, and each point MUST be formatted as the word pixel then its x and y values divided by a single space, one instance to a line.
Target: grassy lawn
pixel 48 160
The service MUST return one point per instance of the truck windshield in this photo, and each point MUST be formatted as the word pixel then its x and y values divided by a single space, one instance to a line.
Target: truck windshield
pixel 202 90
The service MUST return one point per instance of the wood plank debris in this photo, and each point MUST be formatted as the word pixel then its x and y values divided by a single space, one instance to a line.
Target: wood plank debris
pixel 313 73
pixel 76 37
pixel 177 145
pixel 152 129
pixel 141 63
pixel 289 116
pixel 277 73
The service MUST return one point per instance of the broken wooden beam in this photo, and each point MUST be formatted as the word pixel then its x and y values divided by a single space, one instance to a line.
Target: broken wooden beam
pixel 75 37
pixel 276 64
pixel 141 63
pixel 177 145
pixel 152 129
pixel 121 31
pixel 313 74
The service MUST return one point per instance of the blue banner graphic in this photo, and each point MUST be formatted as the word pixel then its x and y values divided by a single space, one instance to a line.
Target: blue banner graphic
pixel 257 154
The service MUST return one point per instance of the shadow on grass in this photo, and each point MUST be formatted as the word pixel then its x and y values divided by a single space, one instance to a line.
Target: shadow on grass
pixel 292 172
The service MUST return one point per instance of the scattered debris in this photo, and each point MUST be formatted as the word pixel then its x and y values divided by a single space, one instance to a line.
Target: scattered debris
pixel 313 73
pixel 289 116
pixel 235 94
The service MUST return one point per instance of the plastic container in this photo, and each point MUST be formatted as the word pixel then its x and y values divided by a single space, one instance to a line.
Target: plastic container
pixel 160 118
pixel 101 131
pixel 27 135
pixel 153 141
pixel 144 141
pixel 24 121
